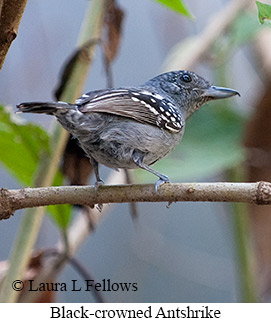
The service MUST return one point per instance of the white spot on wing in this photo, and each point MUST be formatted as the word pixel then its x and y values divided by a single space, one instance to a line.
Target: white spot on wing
pixel 109 95
pixel 171 129
pixel 153 110
pixel 158 96
pixel 145 92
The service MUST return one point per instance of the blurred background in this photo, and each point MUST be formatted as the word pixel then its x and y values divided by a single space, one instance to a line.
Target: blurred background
pixel 189 252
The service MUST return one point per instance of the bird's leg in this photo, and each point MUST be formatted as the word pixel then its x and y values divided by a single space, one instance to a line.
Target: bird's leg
pixel 95 166
pixel 99 181
pixel 138 160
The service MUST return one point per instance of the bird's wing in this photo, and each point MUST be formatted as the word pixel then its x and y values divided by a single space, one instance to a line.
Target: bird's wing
pixel 140 105
pixel 91 95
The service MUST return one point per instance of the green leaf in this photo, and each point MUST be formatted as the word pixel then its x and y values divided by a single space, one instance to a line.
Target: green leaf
pixel 61 214
pixel 178 6
pixel 211 145
pixel 264 13
pixel 21 145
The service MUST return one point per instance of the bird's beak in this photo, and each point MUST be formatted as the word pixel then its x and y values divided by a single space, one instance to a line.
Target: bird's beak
pixel 215 92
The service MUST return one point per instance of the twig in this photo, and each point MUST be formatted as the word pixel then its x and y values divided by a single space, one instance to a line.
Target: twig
pixel 12 200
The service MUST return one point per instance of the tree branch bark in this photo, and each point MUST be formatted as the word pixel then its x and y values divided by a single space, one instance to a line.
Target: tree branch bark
pixel 11 12
pixel 12 200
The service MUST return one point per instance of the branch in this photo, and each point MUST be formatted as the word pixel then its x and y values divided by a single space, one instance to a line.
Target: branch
pixel 12 200
pixel 11 13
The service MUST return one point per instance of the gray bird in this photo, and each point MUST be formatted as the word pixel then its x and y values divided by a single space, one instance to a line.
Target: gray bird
pixel 133 127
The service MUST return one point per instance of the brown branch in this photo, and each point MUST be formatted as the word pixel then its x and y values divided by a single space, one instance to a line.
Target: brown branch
pixel 11 14
pixel 12 200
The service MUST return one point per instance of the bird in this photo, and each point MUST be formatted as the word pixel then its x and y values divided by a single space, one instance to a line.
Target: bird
pixel 135 126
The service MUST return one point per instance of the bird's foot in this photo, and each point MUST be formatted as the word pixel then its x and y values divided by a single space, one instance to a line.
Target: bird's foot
pixel 99 207
pixel 98 183
pixel 163 179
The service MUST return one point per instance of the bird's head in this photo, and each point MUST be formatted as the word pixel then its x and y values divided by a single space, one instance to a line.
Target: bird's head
pixel 189 90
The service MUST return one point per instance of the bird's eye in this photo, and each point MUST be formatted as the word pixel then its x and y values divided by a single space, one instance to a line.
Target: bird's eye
pixel 186 78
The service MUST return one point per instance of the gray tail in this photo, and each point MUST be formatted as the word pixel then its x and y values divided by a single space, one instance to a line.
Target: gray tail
pixel 43 107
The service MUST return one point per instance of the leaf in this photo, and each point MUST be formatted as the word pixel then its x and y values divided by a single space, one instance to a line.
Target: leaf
pixel 113 24
pixel 178 6
pixel 79 55
pixel 76 166
pixel 61 213
pixel 21 145
pixel 264 13
pixel 211 145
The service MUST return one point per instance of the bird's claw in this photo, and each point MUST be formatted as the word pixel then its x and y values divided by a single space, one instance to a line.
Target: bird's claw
pixel 99 207
pixel 163 179
pixel 98 183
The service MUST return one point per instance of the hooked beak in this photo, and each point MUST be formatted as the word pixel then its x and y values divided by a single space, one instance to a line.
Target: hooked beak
pixel 216 92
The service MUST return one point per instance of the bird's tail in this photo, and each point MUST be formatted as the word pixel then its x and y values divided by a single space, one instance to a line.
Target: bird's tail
pixel 44 107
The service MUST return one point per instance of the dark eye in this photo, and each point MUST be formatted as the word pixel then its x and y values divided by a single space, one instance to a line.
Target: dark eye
pixel 186 78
